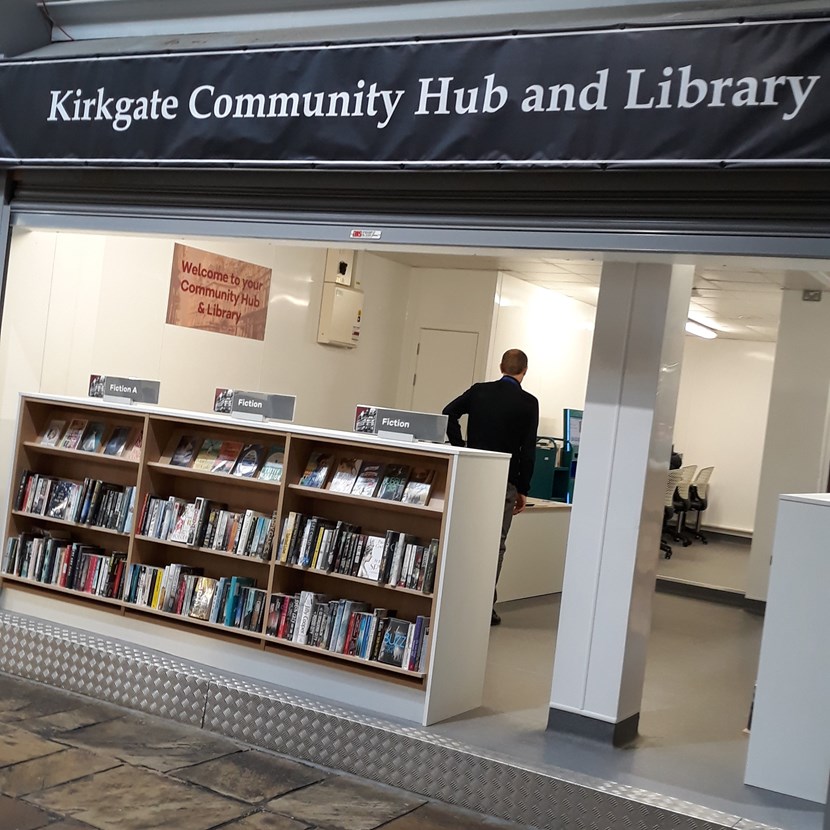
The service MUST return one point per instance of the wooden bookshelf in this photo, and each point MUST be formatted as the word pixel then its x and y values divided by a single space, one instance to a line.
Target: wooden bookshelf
pixel 467 486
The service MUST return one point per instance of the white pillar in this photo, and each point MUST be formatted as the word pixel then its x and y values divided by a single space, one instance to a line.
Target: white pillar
pixel 614 537
pixel 795 456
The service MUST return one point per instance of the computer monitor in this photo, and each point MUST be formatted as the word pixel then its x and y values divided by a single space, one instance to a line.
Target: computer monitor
pixel 572 421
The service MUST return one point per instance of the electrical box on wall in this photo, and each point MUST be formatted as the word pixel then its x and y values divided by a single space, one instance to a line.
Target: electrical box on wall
pixel 339 267
pixel 340 316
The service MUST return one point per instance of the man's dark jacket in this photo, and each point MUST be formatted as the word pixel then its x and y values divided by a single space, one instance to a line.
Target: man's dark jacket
pixel 501 417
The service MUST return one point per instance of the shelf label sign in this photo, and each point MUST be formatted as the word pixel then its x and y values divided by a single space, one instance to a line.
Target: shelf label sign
pixel 218 293
pixel 422 426
pixel 261 406
pixel 135 390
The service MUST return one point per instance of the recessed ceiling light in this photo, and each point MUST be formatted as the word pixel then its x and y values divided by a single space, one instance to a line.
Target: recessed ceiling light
pixel 700 330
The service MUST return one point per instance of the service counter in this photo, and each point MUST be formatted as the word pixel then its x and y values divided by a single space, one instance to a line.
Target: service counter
pixel 534 564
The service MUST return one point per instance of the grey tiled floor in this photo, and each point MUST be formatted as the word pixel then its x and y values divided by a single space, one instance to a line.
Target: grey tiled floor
pixel 68 763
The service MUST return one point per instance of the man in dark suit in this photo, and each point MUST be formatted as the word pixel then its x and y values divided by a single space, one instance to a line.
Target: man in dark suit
pixel 502 417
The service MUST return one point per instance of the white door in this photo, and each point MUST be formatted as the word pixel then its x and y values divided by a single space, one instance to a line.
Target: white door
pixel 445 367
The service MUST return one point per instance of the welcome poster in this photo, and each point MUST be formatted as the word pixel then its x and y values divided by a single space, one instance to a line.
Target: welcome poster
pixel 218 293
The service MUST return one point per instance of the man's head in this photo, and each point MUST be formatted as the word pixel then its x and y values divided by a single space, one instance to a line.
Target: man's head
pixel 514 363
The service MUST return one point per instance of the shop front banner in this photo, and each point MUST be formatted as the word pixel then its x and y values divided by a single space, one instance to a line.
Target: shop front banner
pixel 217 293
pixel 752 92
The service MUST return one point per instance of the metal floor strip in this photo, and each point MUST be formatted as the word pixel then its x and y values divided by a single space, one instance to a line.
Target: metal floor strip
pixel 394 753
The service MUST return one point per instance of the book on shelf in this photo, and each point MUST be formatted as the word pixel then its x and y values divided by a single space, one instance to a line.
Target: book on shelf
pixel 61 498
pixel 392 486
pixel 397 558
pixel 394 642
pixel 117 442
pixel 237 583
pixel 305 607
pixel 93 502
pixel 52 434
pixel 345 622
pixel 228 453
pixel 372 558
pixel 344 626
pixel 286 535
pixel 74 432
pixel 92 437
pixel 366 483
pixel 207 455
pixel 420 630
pixel 251 458
pixel 52 559
pixel 317 469
pixel 203 592
pixel 220 596
pixel 419 486
pixel 132 452
pixel 413 565
pixel 182 455
pixel 428 585
pixel 272 467
pixel 345 475
pixel 22 489
pixel 273 615
pixel 373 639
pixel 180 524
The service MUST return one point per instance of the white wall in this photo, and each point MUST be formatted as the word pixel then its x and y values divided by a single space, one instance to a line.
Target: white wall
pixel 798 428
pixel 454 300
pixel 83 303
pixel 555 332
pixel 721 421
pixel 23 342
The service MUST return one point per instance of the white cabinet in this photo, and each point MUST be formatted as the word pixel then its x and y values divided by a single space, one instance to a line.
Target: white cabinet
pixel 789 747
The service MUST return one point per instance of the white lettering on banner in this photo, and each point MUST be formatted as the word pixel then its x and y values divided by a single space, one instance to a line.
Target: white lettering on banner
pixel 248 403
pixel 70 105
pixel 686 92
pixel 373 102
pixel 673 88
pixel 563 97
pixel 119 387
pixel 464 101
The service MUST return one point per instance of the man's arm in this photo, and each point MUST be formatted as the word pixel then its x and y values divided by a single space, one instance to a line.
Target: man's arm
pixel 454 410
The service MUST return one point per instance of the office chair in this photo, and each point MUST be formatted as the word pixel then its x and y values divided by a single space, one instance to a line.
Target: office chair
pixel 672 481
pixel 699 499
pixel 681 504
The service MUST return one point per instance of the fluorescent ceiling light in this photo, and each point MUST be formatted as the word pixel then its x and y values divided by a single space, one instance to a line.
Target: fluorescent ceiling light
pixel 700 330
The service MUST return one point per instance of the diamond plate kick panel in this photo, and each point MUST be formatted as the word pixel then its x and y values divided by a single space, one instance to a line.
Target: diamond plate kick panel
pixel 277 719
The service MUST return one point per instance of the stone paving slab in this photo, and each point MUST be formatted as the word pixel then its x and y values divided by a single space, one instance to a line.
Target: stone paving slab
pixel 21 699
pixel 18 815
pixel 51 726
pixel 266 821
pixel 18 745
pixel 341 803
pixel 149 742
pixel 252 776
pixel 51 770
pixel 128 798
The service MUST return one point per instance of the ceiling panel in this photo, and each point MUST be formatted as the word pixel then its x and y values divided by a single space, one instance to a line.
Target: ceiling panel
pixel 717 286
pixel 739 297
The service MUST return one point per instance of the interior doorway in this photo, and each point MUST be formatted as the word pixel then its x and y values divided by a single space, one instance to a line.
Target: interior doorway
pixel 444 367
